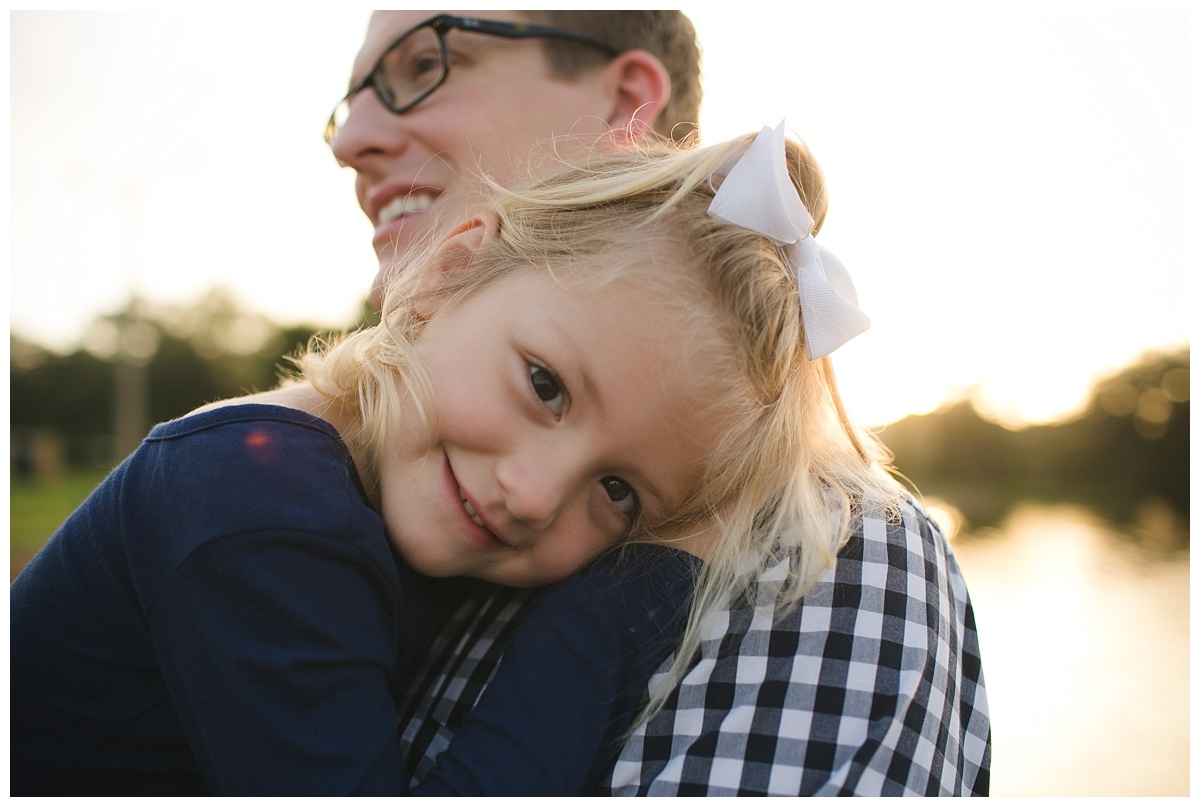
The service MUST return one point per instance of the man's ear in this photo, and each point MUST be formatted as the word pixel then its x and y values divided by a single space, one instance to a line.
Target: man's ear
pixel 640 87
pixel 451 258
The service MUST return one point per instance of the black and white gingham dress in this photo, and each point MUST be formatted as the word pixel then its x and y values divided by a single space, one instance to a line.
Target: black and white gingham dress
pixel 872 686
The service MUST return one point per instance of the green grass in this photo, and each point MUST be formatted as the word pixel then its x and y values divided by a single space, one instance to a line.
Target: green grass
pixel 36 509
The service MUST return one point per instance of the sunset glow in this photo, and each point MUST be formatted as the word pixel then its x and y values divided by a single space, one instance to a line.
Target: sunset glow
pixel 1007 196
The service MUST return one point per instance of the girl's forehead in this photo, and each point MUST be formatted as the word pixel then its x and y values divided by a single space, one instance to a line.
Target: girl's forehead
pixel 666 307
pixel 655 269
pixel 668 310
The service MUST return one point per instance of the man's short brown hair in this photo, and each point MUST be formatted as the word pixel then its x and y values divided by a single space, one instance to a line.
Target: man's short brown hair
pixel 668 35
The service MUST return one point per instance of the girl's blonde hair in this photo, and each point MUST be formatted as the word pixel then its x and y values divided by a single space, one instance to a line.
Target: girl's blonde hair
pixel 785 480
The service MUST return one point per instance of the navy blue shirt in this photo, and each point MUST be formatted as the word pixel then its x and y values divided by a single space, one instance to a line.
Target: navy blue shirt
pixel 574 675
pixel 224 615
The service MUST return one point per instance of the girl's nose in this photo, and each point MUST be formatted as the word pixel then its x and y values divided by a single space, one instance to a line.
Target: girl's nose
pixel 534 485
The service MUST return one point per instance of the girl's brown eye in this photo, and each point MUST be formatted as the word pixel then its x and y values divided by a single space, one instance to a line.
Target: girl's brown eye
pixel 621 495
pixel 547 388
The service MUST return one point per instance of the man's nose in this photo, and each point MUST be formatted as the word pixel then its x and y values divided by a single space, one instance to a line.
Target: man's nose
pixel 370 128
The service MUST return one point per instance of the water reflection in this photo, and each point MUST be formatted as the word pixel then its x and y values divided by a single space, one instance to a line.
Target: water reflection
pixel 1085 640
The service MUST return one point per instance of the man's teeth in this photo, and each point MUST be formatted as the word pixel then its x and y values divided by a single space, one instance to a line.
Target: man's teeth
pixel 405 206
pixel 470 510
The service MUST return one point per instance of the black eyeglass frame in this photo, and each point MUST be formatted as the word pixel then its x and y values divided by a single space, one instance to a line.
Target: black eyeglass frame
pixel 441 25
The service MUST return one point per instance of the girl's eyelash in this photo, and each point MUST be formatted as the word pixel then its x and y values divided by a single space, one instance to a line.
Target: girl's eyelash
pixel 548 389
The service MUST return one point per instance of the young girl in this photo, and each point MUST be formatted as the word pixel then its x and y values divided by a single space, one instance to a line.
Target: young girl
pixel 628 352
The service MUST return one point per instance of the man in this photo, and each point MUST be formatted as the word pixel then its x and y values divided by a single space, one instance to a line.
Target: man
pixel 873 685
pixel 503 95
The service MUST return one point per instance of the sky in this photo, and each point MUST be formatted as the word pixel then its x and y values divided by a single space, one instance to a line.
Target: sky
pixel 1010 182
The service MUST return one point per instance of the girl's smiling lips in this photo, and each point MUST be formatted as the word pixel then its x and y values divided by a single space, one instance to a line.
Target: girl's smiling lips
pixel 477 529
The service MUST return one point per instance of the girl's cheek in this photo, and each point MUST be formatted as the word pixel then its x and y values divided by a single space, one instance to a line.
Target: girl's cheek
pixel 603 524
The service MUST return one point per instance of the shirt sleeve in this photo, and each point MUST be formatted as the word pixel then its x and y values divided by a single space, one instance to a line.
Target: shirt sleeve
pixel 279 651
pixel 571 681
pixel 872 686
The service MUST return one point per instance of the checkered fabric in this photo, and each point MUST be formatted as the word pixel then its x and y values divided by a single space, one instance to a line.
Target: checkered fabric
pixel 872 686
pixel 458 665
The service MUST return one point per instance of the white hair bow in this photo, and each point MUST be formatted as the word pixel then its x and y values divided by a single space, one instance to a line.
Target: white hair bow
pixel 759 195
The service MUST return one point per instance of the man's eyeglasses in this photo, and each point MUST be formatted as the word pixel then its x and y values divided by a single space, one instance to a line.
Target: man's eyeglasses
pixel 418 62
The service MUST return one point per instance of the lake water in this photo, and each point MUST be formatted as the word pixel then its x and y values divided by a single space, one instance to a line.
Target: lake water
pixel 1085 640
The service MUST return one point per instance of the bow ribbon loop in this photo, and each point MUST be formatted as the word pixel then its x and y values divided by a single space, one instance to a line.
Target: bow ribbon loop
pixel 758 194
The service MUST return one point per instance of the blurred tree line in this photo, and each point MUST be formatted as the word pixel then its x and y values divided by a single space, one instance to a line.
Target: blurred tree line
pixel 1127 452
pixel 151 363
pixel 145 365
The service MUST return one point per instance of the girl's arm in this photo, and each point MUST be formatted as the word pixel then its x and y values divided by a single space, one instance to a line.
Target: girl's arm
pixel 274 607
pixel 571 681
pixel 279 651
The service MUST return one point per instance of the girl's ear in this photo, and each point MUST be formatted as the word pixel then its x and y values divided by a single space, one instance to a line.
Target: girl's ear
pixel 451 259
pixel 640 87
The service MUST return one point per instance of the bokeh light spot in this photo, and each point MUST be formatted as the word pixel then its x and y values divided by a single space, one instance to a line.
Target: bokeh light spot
pixel 1119 399
pixel 1176 384
pixel 1153 406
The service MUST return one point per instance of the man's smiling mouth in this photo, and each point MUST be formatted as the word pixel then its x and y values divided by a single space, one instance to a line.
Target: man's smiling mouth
pixel 402 206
